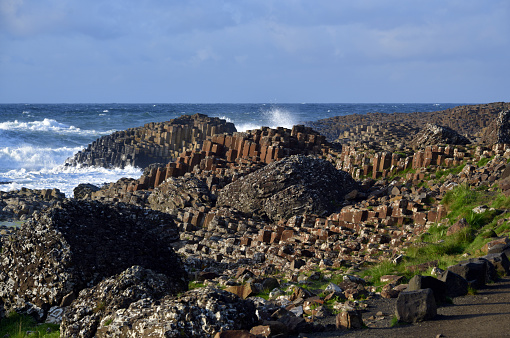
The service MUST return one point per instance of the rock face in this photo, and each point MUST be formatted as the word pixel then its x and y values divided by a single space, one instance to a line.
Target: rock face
pixel 197 313
pixel 154 142
pixel 293 186
pixel 89 314
pixel 499 130
pixel 67 248
pixel 434 134
pixel 21 204
pixel 416 306
pixel 180 192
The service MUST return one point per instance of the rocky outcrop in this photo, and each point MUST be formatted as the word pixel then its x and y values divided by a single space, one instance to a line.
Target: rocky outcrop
pixel 293 186
pixel 434 134
pixel 152 143
pixel 93 309
pixel 75 245
pixel 377 129
pixel 197 313
pixel 180 192
pixel 498 131
pixel 84 190
pixel 21 204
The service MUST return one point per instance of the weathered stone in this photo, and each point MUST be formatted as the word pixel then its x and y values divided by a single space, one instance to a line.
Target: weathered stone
pixel 457 226
pixel 83 190
pixel 180 192
pixel 349 319
pixel 499 130
pixel 427 282
pixel 94 307
pixel 500 262
pixel 416 306
pixel 456 285
pixel 290 187
pixel 474 272
pixel 201 312
pixel 67 248
pixel 434 134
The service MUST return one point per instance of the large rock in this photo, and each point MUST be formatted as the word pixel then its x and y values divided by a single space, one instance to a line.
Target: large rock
pixel 498 131
pixel 67 248
pixel 476 271
pixel 293 186
pixel 94 307
pixel 154 142
pixel 500 262
pixel 434 134
pixel 456 285
pixel 427 282
pixel 180 192
pixel 197 313
pixel 416 306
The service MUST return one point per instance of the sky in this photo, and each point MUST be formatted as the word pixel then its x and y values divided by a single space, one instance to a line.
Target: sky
pixel 254 51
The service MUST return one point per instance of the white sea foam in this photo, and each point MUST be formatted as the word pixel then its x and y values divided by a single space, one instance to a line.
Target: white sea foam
pixel 48 125
pixel 274 117
pixel 279 117
pixel 64 178
pixel 34 158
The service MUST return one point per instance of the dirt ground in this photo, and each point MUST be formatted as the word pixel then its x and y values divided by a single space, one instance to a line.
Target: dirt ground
pixel 486 314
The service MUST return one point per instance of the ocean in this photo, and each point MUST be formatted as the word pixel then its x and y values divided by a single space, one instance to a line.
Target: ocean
pixel 36 139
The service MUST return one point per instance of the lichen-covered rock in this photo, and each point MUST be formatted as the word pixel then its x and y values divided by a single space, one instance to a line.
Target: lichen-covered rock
pixel 84 190
pixel 197 313
pixel 498 131
pixel 91 311
pixel 21 204
pixel 67 248
pixel 293 186
pixel 434 134
pixel 180 192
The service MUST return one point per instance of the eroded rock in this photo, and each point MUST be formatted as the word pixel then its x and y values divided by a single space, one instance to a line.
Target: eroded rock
pixel 293 186
pixel 67 248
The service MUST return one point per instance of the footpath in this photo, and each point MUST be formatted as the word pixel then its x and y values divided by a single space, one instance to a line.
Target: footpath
pixel 485 314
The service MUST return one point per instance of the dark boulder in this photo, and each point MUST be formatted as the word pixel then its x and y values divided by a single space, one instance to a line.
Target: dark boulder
pixel 456 285
pixel 434 134
pixel 75 245
pixel 477 271
pixel 416 306
pixel 84 190
pixel 293 186
pixel 498 131
pixel 500 262
pixel 180 192
pixel 427 282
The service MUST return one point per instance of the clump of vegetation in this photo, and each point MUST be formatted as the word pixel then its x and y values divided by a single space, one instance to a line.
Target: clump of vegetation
pixel 21 326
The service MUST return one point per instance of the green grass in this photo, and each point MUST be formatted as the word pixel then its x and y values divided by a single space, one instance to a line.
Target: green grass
pixel 21 326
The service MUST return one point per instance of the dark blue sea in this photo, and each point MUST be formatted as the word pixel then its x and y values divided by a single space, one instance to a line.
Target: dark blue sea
pixel 36 139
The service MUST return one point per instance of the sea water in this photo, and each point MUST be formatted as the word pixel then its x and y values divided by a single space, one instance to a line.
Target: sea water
pixel 36 139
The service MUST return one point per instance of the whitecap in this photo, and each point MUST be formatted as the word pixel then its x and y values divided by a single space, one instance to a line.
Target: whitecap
pixel 64 178
pixel 31 157
pixel 48 125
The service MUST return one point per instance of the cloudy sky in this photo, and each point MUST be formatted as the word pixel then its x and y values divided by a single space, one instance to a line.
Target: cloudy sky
pixel 275 51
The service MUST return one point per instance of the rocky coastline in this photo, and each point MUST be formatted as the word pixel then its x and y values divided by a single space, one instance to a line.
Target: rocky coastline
pixel 263 233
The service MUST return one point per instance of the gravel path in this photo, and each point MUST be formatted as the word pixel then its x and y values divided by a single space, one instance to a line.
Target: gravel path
pixel 486 314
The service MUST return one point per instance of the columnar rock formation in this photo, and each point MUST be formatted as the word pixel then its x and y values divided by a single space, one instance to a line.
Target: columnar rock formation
pixel 380 128
pixel 152 143
pixel 225 157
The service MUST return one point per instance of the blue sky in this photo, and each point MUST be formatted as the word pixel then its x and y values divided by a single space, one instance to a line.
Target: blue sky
pixel 279 51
